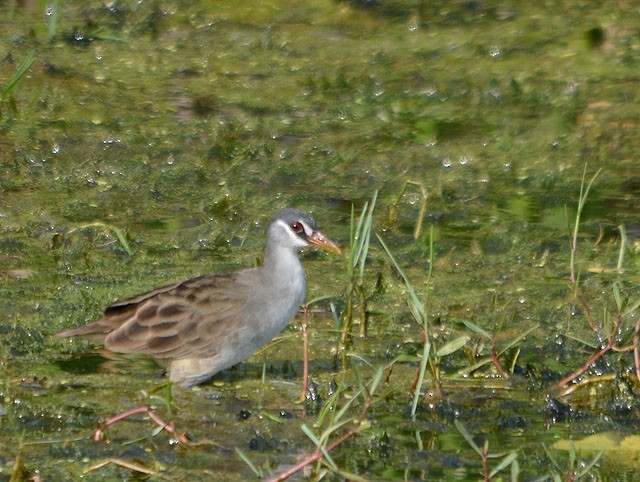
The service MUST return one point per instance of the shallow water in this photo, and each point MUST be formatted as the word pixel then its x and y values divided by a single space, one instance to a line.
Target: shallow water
pixel 183 126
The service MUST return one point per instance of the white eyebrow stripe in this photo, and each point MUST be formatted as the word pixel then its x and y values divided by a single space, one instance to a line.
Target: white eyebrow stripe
pixel 294 236
pixel 286 226
pixel 307 229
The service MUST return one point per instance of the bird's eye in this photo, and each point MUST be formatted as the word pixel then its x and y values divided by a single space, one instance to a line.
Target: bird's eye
pixel 297 227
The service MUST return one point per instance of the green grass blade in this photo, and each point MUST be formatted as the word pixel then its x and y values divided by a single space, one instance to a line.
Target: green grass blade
pixel 585 470
pixel 467 436
pixel 413 297
pixel 376 381
pixel 617 296
pixel 351 477
pixel 326 434
pixel 343 410
pixel 309 433
pixel 453 346
pixel 515 471
pixel 623 246
pixel 366 235
pixel 357 238
pixel 488 360
pixel 123 239
pixel 352 242
pixel 329 407
pixel 504 463
pixel 476 329
pixel 518 339
pixel 256 470
pixel 119 233
pixel 633 308
pixel 426 352
pixel 23 69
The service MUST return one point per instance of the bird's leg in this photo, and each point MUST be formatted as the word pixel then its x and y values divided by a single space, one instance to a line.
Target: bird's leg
pixel 305 353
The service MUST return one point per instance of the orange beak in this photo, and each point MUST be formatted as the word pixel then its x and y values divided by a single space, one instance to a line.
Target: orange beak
pixel 321 241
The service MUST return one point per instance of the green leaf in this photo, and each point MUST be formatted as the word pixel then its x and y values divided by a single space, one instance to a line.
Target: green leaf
pixel 319 445
pixel 453 346
pixel 23 69
pixel 476 329
pixel 508 460
pixel 256 470
pixel 467 436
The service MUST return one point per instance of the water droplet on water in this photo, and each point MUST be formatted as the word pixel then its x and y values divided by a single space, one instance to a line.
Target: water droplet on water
pixel 463 160
pixel 413 23
pixel 430 90
pixel 431 142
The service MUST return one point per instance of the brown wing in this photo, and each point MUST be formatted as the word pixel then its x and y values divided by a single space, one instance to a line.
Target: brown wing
pixel 186 319
pixel 99 329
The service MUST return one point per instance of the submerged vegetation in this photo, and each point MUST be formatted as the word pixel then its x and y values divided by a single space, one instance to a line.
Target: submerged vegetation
pixel 352 407
pixel 486 317
pixel 23 68
pixel 355 295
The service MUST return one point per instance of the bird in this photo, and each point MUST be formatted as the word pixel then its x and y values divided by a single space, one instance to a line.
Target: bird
pixel 209 323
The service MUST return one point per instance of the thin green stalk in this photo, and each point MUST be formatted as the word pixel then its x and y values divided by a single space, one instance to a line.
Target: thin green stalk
pixel 475 328
pixel 510 460
pixel 257 471
pixel 426 350
pixel 426 353
pixel 365 237
pixel 420 311
pixel 414 300
pixel 423 205
pixel 359 241
pixel 324 445
pixel 122 237
pixel 427 288
pixel 582 199
pixel 320 446
pixel 623 247
pixel 22 70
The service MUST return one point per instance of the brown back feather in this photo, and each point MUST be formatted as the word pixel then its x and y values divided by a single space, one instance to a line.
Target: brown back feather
pixel 181 320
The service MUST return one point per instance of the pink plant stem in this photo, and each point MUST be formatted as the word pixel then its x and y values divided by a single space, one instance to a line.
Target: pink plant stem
pixel 121 416
pixel 485 463
pixel 97 436
pixel 496 361
pixel 319 454
pixel 610 345
pixel 584 367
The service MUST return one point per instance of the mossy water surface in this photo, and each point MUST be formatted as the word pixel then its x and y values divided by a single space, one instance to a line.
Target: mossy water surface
pixel 152 141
